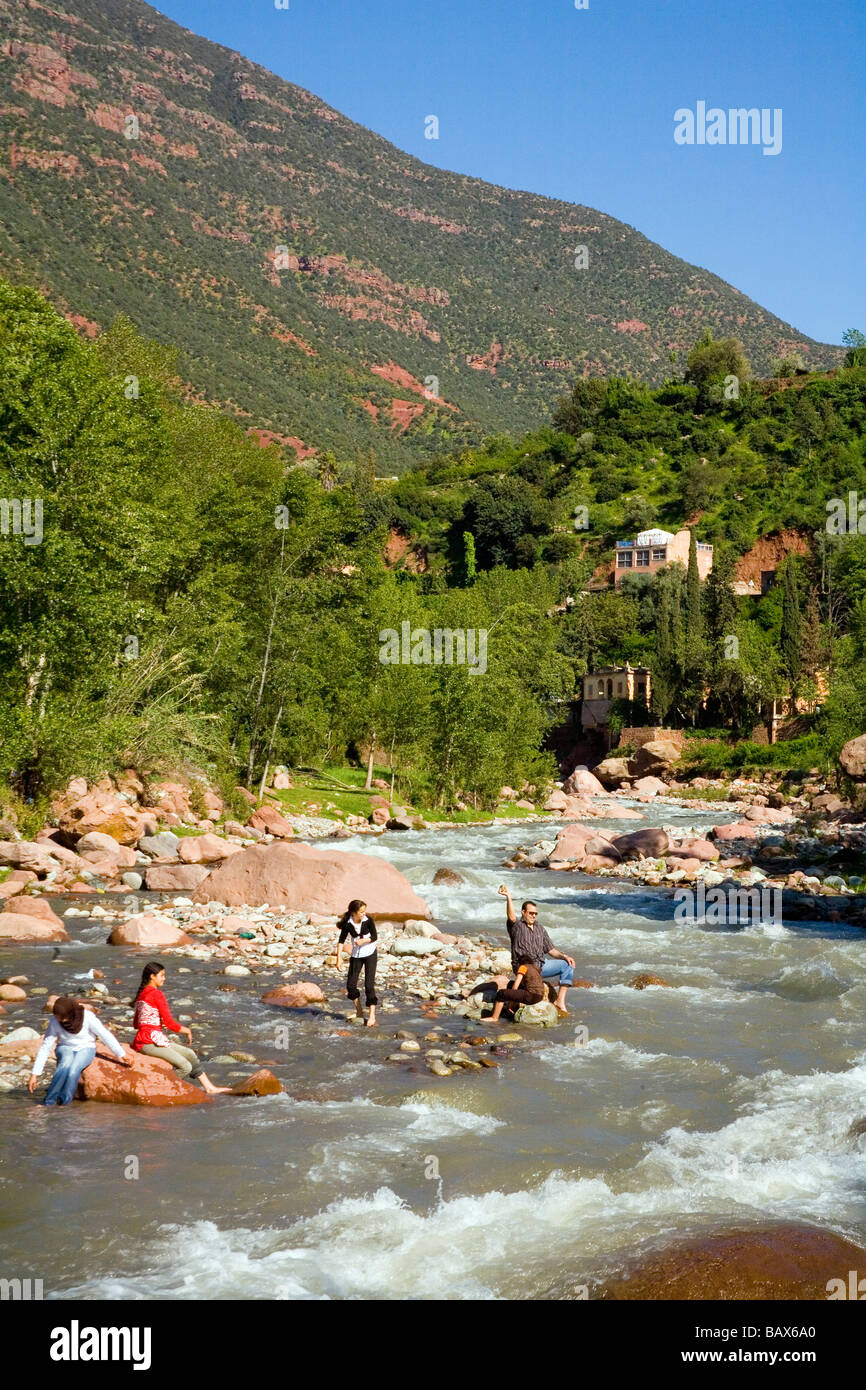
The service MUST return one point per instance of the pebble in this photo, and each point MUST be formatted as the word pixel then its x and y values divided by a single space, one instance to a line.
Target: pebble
pixel 410 1047
pixel 237 970
pixel 438 1068
pixel 243 1056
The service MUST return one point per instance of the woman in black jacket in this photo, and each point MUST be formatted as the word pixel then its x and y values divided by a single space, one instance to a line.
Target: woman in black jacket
pixel 362 929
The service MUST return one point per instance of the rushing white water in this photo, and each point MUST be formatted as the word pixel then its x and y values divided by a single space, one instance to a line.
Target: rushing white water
pixel 726 1099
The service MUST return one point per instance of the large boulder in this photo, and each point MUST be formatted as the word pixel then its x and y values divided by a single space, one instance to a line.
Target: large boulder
pixel 415 946
pixel 311 880
pixel 270 822
pixel 572 840
pixel 16 882
pixel 146 930
pixel 108 813
pixel 161 846
pixel 175 878
pixel 612 772
pixel 445 875
pixel 649 843
pixel 694 849
pixel 647 981
pixel 582 782
pixel 768 815
pixel 205 849
pixel 541 1015
pixel 99 848
pixel 649 786
pixel 149 1081
pixel 557 801
pixel 653 758
pixel 735 830
pixel 20 926
pixel 21 854
pixel 261 1083
pixel 34 907
pixel 792 1260
pixel 298 995
pixel 853 757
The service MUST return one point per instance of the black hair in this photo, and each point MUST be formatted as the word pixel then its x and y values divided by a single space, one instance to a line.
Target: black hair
pixel 528 903
pixel 152 968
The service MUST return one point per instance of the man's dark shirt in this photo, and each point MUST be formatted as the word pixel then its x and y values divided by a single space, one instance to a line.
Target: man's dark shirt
pixel 528 943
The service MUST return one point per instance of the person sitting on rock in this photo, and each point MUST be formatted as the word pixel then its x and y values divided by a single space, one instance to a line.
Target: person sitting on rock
pixel 529 940
pixel 362 929
pixel 151 1013
pixel 75 1030
pixel 528 988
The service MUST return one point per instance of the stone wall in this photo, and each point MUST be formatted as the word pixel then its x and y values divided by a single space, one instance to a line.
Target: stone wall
pixel 636 738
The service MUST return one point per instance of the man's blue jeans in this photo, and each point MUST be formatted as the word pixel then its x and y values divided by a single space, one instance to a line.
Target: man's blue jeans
pixel 558 970
pixel 71 1062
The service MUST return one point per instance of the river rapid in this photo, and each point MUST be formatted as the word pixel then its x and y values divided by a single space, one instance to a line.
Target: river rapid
pixel 724 1101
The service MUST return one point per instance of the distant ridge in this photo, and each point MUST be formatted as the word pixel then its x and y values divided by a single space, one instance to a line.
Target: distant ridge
pixel 411 310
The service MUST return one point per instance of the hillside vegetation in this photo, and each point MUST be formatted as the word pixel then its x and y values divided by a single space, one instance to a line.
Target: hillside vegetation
pixel 315 279
pixel 191 601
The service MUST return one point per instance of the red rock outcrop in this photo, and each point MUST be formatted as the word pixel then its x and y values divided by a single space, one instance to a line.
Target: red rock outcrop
pixel 146 930
pixel 34 907
pixel 175 878
pixel 19 926
pixel 110 814
pixel 788 1261
pixel 298 995
pixel 149 1081
pixel 261 1083
pixel 311 880
pixel 269 820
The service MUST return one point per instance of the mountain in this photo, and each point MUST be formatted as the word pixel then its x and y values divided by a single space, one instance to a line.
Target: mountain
pixel 392 272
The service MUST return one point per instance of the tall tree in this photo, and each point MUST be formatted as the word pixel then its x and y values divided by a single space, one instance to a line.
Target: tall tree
pixel 790 637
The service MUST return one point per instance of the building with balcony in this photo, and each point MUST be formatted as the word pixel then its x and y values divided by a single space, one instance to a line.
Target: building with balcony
pixel 652 550
pixel 610 683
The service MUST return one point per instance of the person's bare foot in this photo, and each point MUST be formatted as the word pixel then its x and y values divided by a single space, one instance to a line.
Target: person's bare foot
pixel 370 1023
pixel 218 1090
pixel 359 1012
pixel 561 1010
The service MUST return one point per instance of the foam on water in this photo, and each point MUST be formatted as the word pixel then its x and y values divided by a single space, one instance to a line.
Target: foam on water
pixel 566 1057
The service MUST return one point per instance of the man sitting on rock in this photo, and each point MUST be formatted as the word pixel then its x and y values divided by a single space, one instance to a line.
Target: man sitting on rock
pixel 530 942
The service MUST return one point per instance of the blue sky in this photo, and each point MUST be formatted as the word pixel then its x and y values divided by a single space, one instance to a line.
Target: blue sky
pixel 579 104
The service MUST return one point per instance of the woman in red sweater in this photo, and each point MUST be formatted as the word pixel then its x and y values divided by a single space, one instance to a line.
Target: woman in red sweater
pixel 152 1014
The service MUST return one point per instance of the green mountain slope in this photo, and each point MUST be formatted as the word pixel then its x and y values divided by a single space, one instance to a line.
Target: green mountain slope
pixel 393 272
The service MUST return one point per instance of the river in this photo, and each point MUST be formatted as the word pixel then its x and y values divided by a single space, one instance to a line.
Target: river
pixel 726 1100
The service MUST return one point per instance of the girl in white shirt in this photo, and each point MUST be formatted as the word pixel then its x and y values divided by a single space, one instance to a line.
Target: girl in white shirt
pixel 75 1031
pixel 355 924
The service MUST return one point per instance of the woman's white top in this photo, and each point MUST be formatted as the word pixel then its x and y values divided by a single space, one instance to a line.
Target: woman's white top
pixel 91 1029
